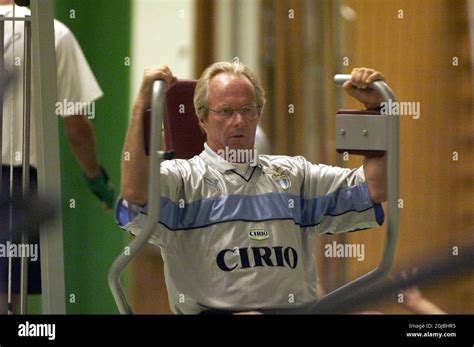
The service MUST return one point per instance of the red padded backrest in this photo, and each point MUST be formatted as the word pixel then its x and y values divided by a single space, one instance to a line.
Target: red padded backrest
pixel 182 132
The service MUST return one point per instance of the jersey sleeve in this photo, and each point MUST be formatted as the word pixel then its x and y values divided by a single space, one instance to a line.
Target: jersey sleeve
pixel 133 218
pixel 76 81
pixel 337 200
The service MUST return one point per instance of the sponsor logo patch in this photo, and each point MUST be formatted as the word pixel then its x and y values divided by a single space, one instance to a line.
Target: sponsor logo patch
pixel 258 234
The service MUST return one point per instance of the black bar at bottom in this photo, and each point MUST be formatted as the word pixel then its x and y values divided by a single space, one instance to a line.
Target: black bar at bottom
pixel 445 330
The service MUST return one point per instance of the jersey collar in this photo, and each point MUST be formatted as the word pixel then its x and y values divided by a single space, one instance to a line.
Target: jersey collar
pixel 216 161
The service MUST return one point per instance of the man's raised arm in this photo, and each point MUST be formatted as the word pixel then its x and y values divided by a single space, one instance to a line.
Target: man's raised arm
pixel 134 161
pixel 375 168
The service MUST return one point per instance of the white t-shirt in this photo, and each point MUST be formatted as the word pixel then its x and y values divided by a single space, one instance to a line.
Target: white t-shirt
pixel 75 83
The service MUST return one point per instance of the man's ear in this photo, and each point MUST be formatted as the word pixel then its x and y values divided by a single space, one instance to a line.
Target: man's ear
pixel 202 125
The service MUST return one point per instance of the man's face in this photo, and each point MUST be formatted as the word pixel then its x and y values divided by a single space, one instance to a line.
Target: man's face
pixel 237 131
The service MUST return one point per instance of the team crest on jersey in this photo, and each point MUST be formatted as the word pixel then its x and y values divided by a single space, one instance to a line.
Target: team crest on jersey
pixel 280 176
pixel 258 234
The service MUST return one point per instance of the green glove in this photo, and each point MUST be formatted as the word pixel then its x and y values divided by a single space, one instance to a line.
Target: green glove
pixel 103 189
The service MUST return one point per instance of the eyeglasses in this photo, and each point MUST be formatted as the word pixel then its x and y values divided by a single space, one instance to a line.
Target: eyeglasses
pixel 250 111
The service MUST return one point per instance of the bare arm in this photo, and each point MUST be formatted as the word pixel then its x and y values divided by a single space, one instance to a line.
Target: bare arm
pixel 81 137
pixel 134 161
pixel 418 304
pixel 375 168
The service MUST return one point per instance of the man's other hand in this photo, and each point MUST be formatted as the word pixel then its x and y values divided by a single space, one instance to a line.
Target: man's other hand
pixel 357 87
pixel 150 75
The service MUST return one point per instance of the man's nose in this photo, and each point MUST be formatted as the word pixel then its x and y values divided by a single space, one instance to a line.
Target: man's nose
pixel 238 118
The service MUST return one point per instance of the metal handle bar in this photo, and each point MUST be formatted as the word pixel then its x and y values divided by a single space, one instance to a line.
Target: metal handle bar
pixel 373 276
pixel 154 194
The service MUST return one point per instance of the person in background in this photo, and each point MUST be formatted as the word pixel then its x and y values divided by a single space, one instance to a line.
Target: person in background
pixel 76 84
pixel 415 301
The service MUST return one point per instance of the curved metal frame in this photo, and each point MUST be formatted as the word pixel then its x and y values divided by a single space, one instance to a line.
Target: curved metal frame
pixel 373 276
pixel 154 194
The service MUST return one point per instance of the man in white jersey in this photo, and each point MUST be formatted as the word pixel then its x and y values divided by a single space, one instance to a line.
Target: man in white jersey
pixel 236 229
pixel 76 85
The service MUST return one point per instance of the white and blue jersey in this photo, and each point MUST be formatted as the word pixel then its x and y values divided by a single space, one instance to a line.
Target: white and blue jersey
pixel 244 241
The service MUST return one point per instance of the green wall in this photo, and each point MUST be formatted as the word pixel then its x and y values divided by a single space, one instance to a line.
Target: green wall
pixel 91 238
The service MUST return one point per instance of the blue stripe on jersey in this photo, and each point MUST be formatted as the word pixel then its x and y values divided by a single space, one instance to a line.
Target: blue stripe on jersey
pixel 202 213
pixel 271 206
pixel 343 200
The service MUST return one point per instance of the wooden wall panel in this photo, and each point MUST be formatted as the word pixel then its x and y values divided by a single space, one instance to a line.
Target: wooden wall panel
pixel 282 55
pixel 416 54
pixel 295 77
pixel 148 288
pixel 203 35
pixel 281 72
